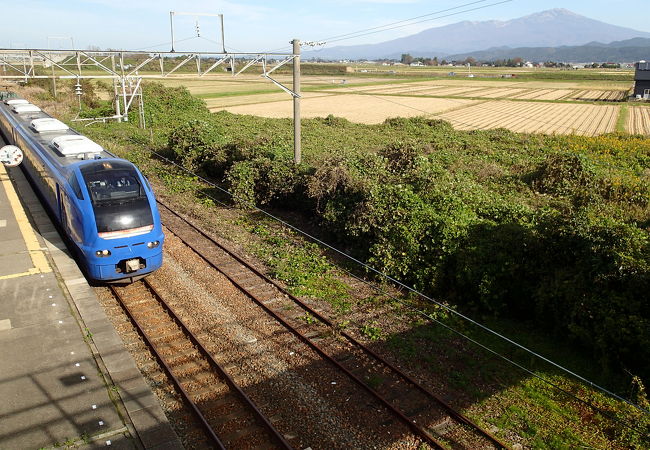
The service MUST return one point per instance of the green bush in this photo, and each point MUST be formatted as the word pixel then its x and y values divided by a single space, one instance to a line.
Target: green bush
pixel 165 106
pixel 197 141
pixel 261 181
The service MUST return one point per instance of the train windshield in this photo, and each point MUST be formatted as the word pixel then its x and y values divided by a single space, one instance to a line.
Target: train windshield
pixel 118 198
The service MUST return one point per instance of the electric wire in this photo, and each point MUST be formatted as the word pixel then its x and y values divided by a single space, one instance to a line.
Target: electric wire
pixel 165 43
pixel 420 21
pixel 401 21
pixel 414 291
pixel 488 349
pixel 222 44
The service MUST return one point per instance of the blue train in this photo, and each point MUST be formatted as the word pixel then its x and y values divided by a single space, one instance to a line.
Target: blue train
pixel 103 203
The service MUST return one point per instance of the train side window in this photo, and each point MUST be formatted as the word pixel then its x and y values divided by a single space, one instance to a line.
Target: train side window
pixel 74 184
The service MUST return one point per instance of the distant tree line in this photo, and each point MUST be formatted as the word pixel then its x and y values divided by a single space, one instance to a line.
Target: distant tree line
pixel 406 58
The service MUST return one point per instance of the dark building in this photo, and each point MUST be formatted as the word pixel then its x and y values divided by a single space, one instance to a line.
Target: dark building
pixel 642 79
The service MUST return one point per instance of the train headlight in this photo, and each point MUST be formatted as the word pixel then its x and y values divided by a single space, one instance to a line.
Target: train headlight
pixel 103 253
pixel 153 244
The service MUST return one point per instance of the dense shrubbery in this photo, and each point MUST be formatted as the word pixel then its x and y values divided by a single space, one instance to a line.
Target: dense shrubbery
pixel 549 229
pixel 165 106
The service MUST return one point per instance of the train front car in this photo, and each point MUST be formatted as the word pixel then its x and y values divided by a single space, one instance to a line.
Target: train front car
pixel 102 203
pixel 124 236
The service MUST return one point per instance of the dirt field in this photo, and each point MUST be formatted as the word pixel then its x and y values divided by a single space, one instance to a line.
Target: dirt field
pixel 638 120
pixel 219 103
pixel 356 108
pixel 548 118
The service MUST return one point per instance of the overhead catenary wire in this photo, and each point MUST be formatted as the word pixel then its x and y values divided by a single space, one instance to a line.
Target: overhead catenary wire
pixel 407 22
pixel 165 43
pixel 228 47
pixel 418 22
pixel 402 23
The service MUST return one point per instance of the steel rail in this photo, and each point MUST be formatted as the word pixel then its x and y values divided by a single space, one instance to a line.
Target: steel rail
pixel 277 436
pixel 452 412
pixel 215 365
pixel 186 397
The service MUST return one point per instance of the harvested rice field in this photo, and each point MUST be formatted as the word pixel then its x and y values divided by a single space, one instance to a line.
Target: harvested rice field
pixel 548 118
pixel 219 103
pixel 544 94
pixel 638 120
pixel 495 90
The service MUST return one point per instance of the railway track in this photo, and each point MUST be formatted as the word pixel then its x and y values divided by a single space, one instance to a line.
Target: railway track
pixel 426 414
pixel 226 414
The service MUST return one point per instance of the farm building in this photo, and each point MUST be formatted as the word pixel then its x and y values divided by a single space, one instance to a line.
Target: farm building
pixel 642 80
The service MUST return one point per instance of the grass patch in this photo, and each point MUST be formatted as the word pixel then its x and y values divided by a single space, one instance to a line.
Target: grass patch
pixel 270 90
pixel 300 265
pixel 621 121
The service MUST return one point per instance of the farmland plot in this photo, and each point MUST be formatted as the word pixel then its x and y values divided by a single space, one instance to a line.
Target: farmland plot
pixel 553 94
pixel 338 87
pixel 356 108
pixel 532 93
pixel 595 95
pixel 454 91
pixel 219 103
pixel 408 89
pixel 638 120
pixel 616 95
pixel 549 118
pixel 500 93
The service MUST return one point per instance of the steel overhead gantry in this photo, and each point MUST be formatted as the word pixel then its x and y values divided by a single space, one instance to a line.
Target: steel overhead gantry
pixel 127 69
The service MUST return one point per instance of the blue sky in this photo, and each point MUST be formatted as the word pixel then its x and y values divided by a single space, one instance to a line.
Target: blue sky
pixel 256 25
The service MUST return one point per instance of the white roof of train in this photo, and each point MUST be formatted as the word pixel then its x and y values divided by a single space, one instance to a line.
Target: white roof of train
pixel 16 101
pixel 46 124
pixel 71 144
pixel 26 108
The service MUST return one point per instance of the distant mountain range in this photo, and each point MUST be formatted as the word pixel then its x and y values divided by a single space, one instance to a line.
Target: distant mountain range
pixel 619 51
pixel 547 29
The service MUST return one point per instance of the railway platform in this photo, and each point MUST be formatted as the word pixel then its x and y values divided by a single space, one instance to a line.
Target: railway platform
pixel 66 379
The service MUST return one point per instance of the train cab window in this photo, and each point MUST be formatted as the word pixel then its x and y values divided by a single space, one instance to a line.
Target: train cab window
pixel 112 182
pixel 114 185
pixel 118 198
pixel 74 184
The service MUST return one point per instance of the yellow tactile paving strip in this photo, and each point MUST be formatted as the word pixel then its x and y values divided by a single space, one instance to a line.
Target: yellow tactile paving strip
pixel 37 255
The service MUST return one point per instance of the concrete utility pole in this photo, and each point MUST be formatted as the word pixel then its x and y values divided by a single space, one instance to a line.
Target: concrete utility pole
pixel 297 156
